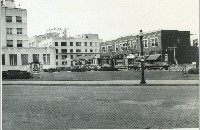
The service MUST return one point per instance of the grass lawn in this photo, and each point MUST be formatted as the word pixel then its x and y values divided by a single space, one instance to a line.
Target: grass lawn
pixel 112 75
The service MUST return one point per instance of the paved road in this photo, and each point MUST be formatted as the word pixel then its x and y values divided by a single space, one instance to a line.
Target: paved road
pixel 106 107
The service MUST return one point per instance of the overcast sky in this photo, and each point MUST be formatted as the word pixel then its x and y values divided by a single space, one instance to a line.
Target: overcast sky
pixel 111 18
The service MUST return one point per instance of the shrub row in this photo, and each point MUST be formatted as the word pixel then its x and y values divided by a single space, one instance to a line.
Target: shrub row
pixel 16 74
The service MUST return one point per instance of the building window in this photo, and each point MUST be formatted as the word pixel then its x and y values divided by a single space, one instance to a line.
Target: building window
pixel 78 43
pixel 56 56
pixel 19 43
pixel 78 50
pixel 85 50
pixel 156 41
pixel 71 50
pixel 145 43
pixel 56 63
pixel 103 49
pixel 109 48
pixel 35 57
pixel 19 30
pixel 95 50
pixel 56 50
pixel 71 56
pixel 71 43
pixel 116 47
pixel 13 59
pixel 64 57
pixel 18 19
pixel 86 36
pixel 63 43
pixel 9 43
pixel 56 43
pixel 24 58
pixel 63 62
pixel 9 30
pixel 85 43
pixel 3 59
pixel 95 43
pixel 63 50
pixel 152 42
pixel 91 50
pixel 90 43
pixel 46 59
pixel 8 18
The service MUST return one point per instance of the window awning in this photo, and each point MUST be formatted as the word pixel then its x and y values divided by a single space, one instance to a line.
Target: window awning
pixel 154 57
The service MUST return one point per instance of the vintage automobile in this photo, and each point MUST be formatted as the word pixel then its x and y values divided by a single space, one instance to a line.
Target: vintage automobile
pixel 157 65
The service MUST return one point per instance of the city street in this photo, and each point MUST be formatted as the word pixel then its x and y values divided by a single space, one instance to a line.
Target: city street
pixel 106 107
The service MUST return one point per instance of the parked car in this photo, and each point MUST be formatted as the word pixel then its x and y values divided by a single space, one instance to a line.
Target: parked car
pixel 157 65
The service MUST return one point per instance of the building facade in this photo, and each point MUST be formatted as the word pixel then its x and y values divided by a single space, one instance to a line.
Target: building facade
pixel 73 50
pixel 16 53
pixel 172 45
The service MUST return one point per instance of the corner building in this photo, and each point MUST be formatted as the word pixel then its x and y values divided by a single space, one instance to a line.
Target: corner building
pixel 169 44
pixel 16 53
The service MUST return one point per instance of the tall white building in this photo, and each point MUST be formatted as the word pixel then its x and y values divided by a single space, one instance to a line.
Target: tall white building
pixel 16 53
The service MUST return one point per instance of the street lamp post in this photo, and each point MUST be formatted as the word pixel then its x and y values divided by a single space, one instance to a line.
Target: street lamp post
pixel 142 57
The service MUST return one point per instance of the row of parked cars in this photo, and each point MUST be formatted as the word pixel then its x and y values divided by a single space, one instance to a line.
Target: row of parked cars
pixel 149 66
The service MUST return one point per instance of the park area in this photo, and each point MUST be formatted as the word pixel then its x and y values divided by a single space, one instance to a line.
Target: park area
pixel 111 75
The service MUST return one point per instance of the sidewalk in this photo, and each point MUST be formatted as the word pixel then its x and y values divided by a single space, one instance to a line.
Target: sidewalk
pixel 107 83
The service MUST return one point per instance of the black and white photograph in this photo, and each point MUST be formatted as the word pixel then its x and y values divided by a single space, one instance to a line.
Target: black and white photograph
pixel 99 64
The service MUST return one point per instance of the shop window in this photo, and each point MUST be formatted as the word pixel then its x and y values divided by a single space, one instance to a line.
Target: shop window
pixel 46 59
pixel 24 58
pixel 13 59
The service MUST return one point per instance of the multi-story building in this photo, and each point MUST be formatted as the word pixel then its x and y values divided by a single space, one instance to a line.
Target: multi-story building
pixel 73 50
pixel 171 45
pixel 16 53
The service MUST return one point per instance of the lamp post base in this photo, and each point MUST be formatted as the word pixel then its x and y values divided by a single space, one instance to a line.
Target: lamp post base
pixel 143 81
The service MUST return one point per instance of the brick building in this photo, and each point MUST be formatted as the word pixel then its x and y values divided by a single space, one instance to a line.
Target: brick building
pixel 169 44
